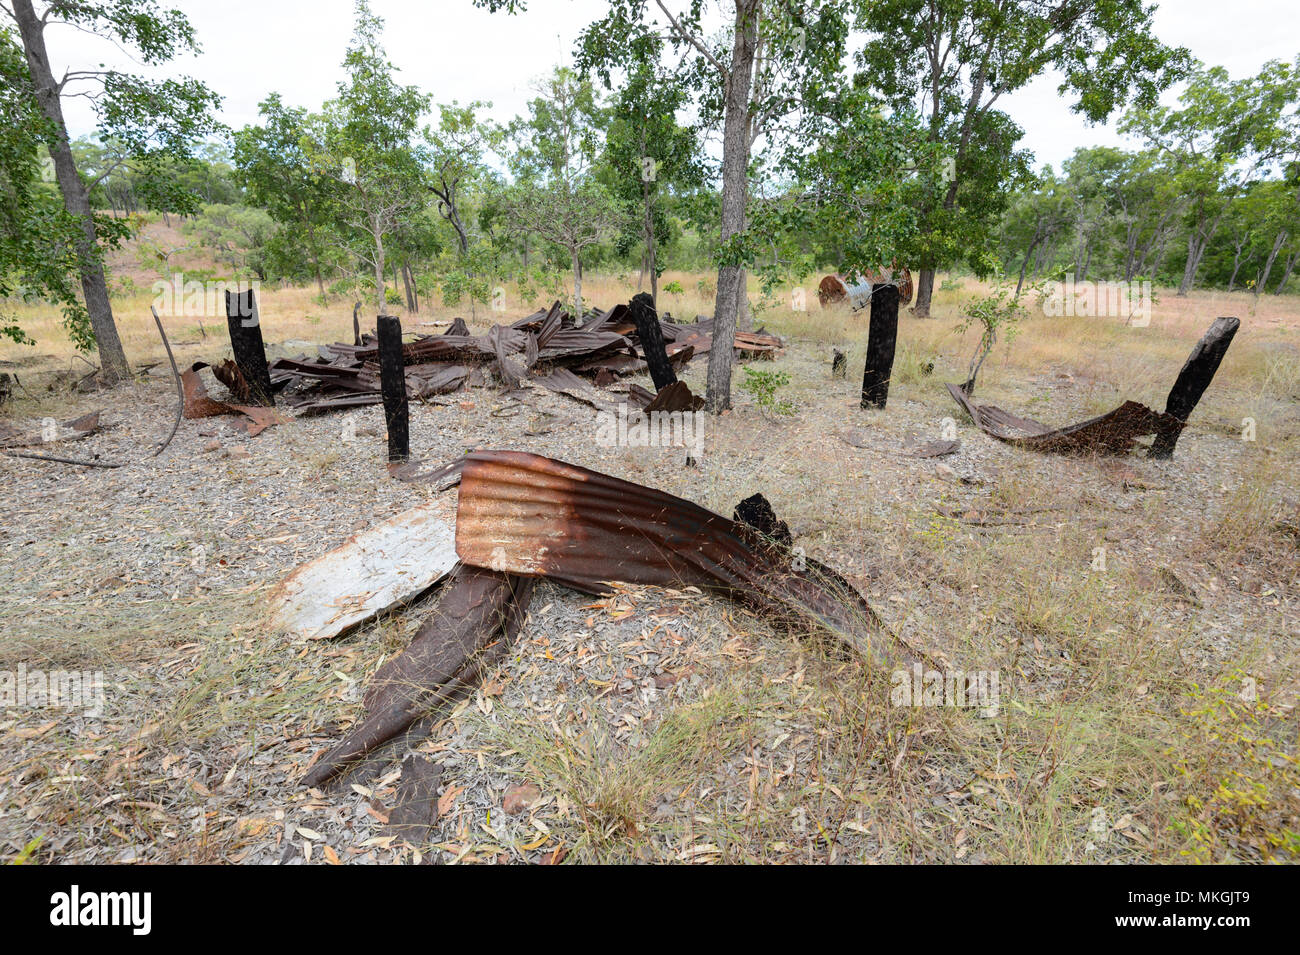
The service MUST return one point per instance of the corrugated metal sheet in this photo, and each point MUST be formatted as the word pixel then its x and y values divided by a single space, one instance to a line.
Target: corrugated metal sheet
pixel 836 288
pixel 1112 433
pixel 524 514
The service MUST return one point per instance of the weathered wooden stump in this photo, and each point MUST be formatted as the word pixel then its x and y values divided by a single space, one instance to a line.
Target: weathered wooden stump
pixel 642 308
pixel 839 364
pixel 882 338
pixel 392 385
pixel 1198 371
pixel 356 323
pixel 246 341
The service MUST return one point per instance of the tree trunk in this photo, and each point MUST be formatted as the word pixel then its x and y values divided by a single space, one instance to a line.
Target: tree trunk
pixel 76 200
pixel 924 293
pixel 1268 264
pixel 652 340
pixel 408 284
pixel 379 271
pixel 392 385
pixel 245 327
pixel 735 169
pixel 577 288
pixel 1286 273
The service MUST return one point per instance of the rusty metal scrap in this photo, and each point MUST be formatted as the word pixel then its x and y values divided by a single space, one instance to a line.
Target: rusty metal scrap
pixel 524 514
pixel 476 620
pixel 834 289
pixel 254 419
pixel 72 430
pixel 1112 433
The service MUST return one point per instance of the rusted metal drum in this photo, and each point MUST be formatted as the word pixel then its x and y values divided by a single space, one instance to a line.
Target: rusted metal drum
pixel 834 289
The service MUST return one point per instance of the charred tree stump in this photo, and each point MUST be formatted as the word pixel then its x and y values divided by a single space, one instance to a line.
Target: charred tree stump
pixel 392 385
pixel 881 340
pixel 1198 371
pixel 643 312
pixel 356 324
pixel 839 364
pixel 246 341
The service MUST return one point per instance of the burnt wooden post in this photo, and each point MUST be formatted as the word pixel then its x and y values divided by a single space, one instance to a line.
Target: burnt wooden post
pixel 643 312
pixel 839 364
pixel 392 385
pixel 246 341
pixel 356 324
pixel 881 339
pixel 1198 371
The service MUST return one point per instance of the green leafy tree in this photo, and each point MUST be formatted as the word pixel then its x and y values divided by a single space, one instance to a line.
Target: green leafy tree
pixel 1224 135
pixel 274 166
pixel 555 195
pixel 958 58
pixel 458 160
pixel 649 155
pixel 155 121
pixel 366 141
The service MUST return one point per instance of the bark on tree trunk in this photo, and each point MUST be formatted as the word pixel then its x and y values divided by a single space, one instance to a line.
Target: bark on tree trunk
pixel 924 293
pixel 1286 273
pixel 245 326
pixel 735 163
pixel 652 340
pixel 577 288
pixel 1268 264
pixel 379 272
pixel 76 200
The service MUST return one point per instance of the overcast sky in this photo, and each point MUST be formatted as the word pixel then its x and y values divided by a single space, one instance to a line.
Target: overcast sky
pixel 457 52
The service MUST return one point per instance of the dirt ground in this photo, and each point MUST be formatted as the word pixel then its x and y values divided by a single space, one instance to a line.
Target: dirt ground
pixel 1146 708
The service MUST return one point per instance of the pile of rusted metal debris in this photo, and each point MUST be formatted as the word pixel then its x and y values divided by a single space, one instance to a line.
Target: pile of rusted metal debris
pixel 520 517
pixel 549 348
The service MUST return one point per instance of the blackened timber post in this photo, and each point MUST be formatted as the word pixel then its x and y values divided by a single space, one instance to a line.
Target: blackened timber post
pixel 244 323
pixel 882 337
pixel 392 385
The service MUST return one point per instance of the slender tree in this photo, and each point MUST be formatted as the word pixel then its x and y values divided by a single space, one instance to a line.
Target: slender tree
pixel 153 120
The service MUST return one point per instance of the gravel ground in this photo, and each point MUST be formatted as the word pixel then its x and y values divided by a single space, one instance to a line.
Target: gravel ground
pixel 651 725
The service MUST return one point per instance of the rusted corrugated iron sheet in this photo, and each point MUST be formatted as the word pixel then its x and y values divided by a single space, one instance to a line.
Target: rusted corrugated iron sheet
pixel 475 622
pixel 525 514
pixel 1112 433
pixel 834 289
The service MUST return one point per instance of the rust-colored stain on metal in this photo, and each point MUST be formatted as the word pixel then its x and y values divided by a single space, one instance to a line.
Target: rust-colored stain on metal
pixel 1112 433
pixel 524 514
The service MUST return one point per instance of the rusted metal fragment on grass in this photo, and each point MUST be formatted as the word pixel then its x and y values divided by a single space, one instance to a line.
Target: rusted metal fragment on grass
pixel 1113 433
pixel 71 430
pixel 254 419
pixel 439 477
pixel 469 631
pixel 524 514
pixel 415 807
pixel 373 572
pixel 675 397
pixel 834 289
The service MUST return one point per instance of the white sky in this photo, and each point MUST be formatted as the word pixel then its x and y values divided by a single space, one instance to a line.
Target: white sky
pixel 455 51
